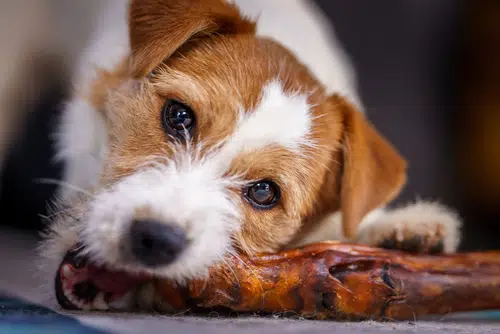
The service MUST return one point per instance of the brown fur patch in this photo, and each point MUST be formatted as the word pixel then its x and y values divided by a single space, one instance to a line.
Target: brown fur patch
pixel 158 28
pixel 351 167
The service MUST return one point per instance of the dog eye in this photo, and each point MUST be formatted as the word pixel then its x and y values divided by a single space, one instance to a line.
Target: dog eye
pixel 263 194
pixel 177 118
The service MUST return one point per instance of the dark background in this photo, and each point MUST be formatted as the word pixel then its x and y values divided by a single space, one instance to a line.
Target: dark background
pixel 429 76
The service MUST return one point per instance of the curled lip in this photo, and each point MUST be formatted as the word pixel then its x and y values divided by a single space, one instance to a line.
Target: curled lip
pixel 81 285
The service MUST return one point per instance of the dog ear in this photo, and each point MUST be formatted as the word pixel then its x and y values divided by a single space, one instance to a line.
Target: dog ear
pixel 372 170
pixel 157 28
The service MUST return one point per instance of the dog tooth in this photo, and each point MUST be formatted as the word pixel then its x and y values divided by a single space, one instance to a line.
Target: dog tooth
pixel 73 300
pixel 99 303
pixel 82 305
pixel 123 303
pixel 67 292
pixel 85 306
pixel 66 271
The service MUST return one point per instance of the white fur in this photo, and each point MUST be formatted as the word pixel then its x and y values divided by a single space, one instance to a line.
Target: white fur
pixel 425 219
pixel 82 145
pixel 278 120
pixel 186 192
pixel 330 228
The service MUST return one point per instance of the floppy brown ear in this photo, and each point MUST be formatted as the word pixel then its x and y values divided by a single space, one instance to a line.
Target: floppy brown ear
pixel 373 172
pixel 157 28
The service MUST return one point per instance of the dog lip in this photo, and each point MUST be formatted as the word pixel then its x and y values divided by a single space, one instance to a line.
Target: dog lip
pixel 60 296
pixel 113 284
pixel 117 282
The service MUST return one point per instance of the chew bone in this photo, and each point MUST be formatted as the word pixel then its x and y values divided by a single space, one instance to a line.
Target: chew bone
pixel 347 282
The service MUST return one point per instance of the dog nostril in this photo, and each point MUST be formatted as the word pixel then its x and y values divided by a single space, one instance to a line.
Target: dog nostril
pixel 156 244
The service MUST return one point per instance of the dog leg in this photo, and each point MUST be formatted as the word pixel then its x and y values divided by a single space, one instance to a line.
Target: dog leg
pixel 421 227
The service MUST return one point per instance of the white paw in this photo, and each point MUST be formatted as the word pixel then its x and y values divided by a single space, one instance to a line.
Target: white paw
pixel 422 227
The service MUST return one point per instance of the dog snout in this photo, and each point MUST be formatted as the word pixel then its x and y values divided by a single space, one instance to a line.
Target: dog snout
pixel 155 243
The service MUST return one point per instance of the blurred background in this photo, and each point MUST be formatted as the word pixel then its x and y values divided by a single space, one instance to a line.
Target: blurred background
pixel 428 73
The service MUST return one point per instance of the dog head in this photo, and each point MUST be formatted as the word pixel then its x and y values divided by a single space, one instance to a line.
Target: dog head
pixel 221 141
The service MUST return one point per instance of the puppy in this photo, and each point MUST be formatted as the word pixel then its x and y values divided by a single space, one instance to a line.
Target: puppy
pixel 204 132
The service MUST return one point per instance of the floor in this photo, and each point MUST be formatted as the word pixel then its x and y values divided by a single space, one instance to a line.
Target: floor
pixel 17 256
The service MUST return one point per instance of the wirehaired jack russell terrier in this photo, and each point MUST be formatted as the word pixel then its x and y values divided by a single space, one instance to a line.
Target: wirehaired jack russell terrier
pixel 204 128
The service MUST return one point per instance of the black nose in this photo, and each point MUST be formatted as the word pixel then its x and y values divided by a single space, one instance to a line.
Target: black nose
pixel 156 244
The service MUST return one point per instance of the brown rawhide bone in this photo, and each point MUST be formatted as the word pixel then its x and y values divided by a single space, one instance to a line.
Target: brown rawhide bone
pixel 346 282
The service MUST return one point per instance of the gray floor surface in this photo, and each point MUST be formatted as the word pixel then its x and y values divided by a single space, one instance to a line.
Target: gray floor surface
pixel 17 258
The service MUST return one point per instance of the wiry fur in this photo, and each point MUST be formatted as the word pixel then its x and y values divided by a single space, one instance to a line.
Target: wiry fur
pixel 193 198
pixel 61 235
pixel 260 114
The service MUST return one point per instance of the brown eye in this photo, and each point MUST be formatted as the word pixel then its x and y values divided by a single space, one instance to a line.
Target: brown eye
pixel 263 194
pixel 177 118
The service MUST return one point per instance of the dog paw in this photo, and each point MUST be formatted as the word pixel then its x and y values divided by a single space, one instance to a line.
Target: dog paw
pixel 422 227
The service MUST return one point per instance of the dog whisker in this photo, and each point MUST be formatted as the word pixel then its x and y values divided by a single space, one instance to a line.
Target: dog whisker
pixel 66 185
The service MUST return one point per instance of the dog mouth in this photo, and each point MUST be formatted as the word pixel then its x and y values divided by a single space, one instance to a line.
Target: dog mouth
pixel 81 285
